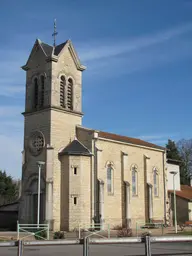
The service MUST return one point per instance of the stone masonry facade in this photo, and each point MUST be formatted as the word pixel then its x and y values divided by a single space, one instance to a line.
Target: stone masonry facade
pixel 74 180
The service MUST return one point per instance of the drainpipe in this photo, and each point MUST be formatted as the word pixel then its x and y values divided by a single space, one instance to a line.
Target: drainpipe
pixel 95 180
pixel 164 184
pixel 101 203
pixel 96 190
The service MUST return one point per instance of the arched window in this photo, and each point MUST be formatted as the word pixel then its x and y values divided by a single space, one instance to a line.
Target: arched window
pixel 109 179
pixel 155 182
pixel 62 91
pixel 70 94
pixel 35 93
pixel 42 90
pixel 134 181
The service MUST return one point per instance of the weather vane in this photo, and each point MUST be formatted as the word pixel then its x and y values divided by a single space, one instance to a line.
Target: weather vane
pixel 54 34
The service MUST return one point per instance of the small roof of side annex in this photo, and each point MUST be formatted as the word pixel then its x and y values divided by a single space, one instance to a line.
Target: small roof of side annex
pixel 76 148
pixel 185 192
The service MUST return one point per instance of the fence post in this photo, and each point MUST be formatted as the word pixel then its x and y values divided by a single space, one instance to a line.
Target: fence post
pixel 17 230
pixel 147 246
pixel 86 246
pixel 136 230
pixel 79 232
pixel 20 248
pixel 48 231
pixel 108 230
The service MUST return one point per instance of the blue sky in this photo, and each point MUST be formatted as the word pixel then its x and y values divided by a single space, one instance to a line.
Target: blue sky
pixel 138 55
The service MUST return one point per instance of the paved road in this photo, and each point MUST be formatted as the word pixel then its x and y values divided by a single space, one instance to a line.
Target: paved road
pixel 183 249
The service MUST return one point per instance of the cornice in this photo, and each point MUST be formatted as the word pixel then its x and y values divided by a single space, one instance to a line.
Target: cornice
pixel 27 113
pixel 75 57
pixel 25 67
pixel 131 144
pixel 52 58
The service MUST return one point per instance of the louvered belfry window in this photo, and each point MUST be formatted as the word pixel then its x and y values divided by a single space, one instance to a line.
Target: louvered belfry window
pixel 70 94
pixel 42 90
pixel 35 93
pixel 62 91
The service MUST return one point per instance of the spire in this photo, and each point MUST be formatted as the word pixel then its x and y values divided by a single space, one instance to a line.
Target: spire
pixel 54 33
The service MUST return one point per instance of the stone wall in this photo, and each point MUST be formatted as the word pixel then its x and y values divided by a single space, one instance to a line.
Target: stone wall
pixel 56 124
pixel 63 122
pixel 113 206
pixel 65 192
pixel 75 195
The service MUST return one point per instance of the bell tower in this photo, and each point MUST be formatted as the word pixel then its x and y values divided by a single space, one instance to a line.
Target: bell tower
pixel 53 108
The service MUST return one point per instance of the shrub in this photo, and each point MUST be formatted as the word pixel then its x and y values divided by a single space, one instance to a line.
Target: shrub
pixel 117 227
pixel 124 232
pixel 149 225
pixel 59 235
pixel 144 234
pixel 40 234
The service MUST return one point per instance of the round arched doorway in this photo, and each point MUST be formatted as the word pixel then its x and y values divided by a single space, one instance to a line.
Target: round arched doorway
pixel 32 200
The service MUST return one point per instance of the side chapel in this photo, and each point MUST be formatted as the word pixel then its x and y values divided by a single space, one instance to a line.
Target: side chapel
pixel 89 175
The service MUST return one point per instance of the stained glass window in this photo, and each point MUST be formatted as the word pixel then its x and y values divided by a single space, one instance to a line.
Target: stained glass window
pixel 134 181
pixel 155 182
pixel 109 179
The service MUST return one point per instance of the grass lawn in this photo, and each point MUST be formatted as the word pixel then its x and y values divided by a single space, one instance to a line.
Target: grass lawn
pixel 185 233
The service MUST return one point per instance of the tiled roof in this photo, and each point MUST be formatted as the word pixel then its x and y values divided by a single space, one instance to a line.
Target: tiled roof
pixel 185 192
pixel 174 161
pixel 75 148
pixel 126 139
pixel 48 49
pixel 58 48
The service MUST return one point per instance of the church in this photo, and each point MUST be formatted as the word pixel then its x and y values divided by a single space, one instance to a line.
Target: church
pixel 87 175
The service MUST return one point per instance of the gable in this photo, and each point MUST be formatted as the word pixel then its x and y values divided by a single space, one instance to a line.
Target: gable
pixel 66 52
pixel 42 51
pixel 37 56
pixel 75 148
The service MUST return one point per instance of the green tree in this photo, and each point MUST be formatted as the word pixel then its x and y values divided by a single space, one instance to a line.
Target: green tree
pixel 177 151
pixel 172 151
pixel 9 189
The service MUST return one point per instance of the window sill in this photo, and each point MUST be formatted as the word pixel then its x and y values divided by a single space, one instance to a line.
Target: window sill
pixel 110 194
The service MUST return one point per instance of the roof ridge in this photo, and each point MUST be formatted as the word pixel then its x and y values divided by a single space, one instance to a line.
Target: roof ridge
pixel 58 48
pixel 82 145
pixel 121 135
pixel 75 147
pixel 123 138
pixel 45 43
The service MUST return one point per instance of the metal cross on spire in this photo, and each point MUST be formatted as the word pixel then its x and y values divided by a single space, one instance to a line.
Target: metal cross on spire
pixel 54 34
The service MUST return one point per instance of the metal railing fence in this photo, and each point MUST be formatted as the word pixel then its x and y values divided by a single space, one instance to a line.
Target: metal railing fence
pixel 32 230
pixel 141 226
pixel 94 229
pixel 147 240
